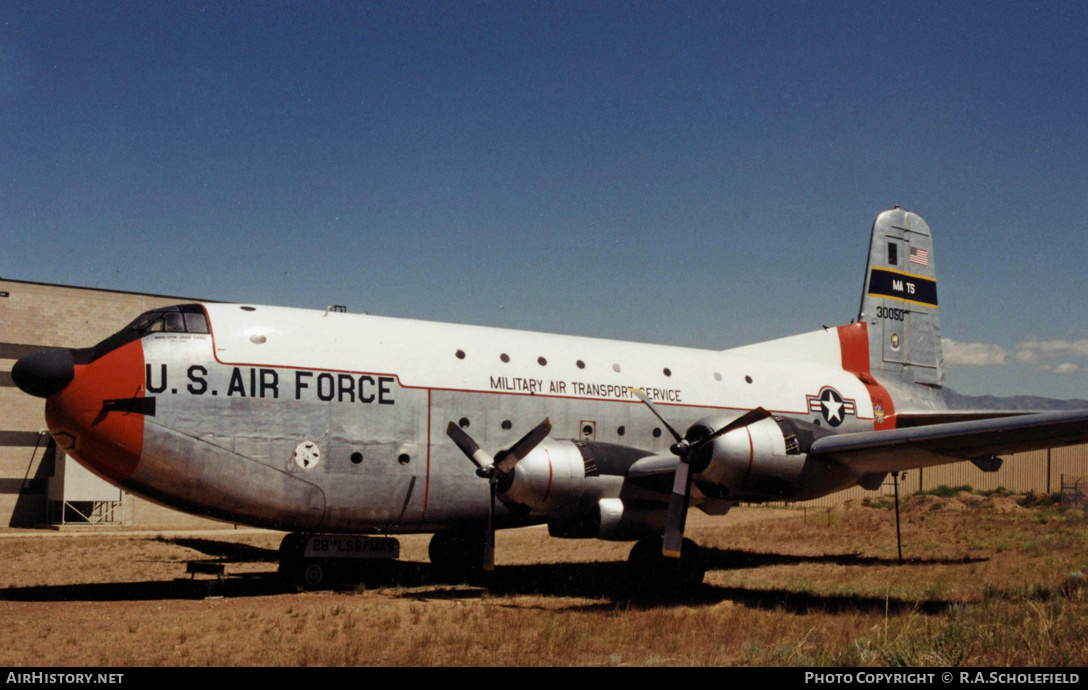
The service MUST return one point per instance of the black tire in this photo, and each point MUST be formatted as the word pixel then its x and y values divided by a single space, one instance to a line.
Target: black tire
pixel 314 575
pixel 459 551
pixel 649 569
pixel 291 565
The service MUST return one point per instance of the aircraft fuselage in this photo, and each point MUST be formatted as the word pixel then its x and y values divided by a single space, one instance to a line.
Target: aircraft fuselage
pixel 331 422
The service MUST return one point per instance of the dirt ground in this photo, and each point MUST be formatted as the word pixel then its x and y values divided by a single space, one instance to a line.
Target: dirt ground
pixel 784 587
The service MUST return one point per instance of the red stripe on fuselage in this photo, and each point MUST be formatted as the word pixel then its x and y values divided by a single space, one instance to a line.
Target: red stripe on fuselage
pixel 854 343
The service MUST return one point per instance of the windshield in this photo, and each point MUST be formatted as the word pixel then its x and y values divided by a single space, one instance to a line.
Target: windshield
pixel 185 318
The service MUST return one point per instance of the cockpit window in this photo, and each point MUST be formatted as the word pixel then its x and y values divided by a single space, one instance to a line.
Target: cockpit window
pixel 181 318
pixel 186 318
pixel 143 320
pixel 175 322
pixel 196 323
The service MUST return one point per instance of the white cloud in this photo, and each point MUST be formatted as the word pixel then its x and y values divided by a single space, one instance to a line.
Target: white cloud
pixel 1054 348
pixel 973 354
pixel 1046 355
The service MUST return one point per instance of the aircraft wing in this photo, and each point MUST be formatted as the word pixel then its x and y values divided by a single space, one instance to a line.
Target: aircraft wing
pixel 902 449
pixel 930 417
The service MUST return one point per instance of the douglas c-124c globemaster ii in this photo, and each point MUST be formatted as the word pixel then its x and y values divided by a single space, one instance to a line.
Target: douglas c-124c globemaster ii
pixel 334 426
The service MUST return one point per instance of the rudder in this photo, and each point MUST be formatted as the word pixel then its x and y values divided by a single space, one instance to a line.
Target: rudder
pixel 899 300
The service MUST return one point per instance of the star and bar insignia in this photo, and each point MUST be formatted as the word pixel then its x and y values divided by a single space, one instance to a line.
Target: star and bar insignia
pixel 831 405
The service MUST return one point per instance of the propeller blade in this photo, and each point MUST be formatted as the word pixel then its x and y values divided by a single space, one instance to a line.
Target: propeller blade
pixel 523 447
pixel 643 397
pixel 489 537
pixel 470 448
pixel 676 517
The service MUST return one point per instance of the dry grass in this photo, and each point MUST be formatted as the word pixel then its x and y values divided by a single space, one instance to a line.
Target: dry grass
pixel 980 587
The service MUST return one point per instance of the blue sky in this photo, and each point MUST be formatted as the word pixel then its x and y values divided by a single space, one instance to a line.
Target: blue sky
pixel 693 173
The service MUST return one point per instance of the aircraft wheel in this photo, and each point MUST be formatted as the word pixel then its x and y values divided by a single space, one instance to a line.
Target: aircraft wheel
pixel 291 568
pixel 651 569
pixel 457 550
pixel 314 575
pixel 645 553
pixel 691 568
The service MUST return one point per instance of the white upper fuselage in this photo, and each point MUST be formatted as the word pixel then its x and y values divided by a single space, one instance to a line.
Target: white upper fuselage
pixel 423 355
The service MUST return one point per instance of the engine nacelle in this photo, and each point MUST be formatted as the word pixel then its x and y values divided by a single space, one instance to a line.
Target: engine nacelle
pixel 563 477
pixel 547 480
pixel 612 519
pixel 575 486
pixel 762 461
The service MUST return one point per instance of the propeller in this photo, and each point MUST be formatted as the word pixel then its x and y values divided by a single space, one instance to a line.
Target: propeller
pixel 496 469
pixel 684 449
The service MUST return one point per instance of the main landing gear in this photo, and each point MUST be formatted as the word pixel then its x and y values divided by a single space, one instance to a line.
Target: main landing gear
pixel 651 569
pixel 458 551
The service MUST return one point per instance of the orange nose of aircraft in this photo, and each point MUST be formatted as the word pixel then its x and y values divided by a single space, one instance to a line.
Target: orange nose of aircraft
pixel 91 406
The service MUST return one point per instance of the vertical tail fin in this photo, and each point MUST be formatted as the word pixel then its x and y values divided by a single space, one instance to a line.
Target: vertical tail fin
pixel 899 301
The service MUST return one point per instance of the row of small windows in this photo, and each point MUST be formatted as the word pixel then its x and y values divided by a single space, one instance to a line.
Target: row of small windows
pixel 505 359
pixel 464 423
pixel 357 458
